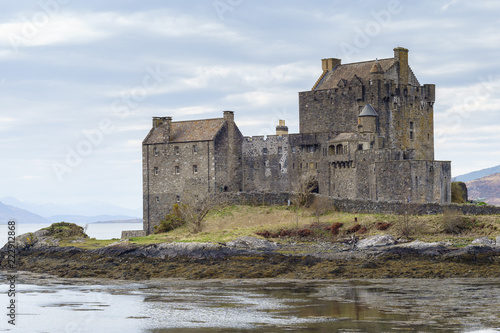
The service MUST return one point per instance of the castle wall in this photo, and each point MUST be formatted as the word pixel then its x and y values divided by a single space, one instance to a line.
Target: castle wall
pixel 228 159
pixel 266 163
pixel 164 184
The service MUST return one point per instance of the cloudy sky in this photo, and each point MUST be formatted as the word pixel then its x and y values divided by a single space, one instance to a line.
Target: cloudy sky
pixel 80 80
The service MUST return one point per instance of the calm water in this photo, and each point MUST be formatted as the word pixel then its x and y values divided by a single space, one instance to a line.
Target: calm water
pixel 400 305
pixel 94 230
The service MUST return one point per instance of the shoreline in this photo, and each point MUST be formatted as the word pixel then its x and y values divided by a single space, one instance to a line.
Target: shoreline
pixel 260 259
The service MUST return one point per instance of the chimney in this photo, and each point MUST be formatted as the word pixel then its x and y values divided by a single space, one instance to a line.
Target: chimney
pixel 330 63
pixel 401 56
pixel 168 128
pixel 229 116
pixel 166 123
pixel 281 129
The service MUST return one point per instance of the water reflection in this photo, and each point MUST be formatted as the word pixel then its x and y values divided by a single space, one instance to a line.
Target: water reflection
pixel 258 306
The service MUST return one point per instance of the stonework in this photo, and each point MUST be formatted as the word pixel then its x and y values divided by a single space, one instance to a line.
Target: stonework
pixel 366 132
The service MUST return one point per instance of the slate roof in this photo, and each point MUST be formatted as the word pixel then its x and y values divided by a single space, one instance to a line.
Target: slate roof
pixel 368 111
pixel 187 131
pixel 353 72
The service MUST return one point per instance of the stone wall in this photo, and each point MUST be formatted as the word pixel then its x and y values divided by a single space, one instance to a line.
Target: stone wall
pixel 133 233
pixel 360 206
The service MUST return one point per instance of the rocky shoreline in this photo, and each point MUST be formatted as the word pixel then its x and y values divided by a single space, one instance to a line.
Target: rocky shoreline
pixel 249 257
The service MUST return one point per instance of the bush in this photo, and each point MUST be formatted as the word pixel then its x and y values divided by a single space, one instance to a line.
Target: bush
pixel 382 226
pixel 171 221
pixel 304 232
pixel 334 228
pixel 459 192
pixel 455 222
pixel 354 229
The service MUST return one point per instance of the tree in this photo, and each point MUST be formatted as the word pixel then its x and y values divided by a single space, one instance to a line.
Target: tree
pixel 320 206
pixel 458 192
pixel 195 208
pixel 308 184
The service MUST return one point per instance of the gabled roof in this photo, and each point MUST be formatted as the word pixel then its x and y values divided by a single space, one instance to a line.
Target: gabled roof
pixel 187 131
pixel 368 111
pixel 355 71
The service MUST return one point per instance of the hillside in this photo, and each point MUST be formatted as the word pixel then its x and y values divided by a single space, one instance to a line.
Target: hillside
pixel 487 187
pixel 477 174
pixel 8 212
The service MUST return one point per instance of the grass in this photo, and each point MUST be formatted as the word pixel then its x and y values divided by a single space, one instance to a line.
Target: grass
pixel 231 222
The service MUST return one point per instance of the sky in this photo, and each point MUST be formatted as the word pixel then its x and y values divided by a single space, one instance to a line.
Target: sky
pixel 81 80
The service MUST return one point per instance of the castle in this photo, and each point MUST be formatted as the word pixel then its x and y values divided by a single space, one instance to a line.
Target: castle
pixel 366 132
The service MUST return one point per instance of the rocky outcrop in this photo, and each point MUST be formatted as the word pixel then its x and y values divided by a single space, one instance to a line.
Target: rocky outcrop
pixel 379 240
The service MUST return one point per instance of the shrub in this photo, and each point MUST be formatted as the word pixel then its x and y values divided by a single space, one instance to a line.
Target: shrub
pixel 304 232
pixel 354 229
pixel 171 221
pixel 362 230
pixel 264 233
pixel 455 222
pixel 334 228
pixel 458 192
pixel 382 226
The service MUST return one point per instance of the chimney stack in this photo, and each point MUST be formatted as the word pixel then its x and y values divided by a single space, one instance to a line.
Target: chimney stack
pixel 229 116
pixel 330 63
pixel 401 56
pixel 166 123
pixel 281 129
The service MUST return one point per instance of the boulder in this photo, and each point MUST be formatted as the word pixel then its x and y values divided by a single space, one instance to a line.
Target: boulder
pixel 484 241
pixel 498 240
pixel 419 245
pixel 379 240
pixel 253 243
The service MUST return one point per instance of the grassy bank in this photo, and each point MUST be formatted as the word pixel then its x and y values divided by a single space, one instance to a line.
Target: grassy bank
pixel 232 222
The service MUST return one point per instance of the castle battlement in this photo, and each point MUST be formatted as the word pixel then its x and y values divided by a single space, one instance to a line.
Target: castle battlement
pixel 366 133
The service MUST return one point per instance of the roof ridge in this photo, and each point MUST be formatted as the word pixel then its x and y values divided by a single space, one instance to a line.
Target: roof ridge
pixel 189 121
pixel 366 61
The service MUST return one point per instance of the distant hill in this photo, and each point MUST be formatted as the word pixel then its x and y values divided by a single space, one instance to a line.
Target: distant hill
pixel 78 219
pixel 89 208
pixel 8 212
pixel 478 174
pixel 486 187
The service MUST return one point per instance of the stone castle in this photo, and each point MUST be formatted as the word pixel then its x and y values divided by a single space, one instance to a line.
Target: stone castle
pixel 366 132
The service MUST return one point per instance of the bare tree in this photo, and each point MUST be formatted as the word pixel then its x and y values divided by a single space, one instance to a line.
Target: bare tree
pixel 320 206
pixel 307 185
pixel 195 208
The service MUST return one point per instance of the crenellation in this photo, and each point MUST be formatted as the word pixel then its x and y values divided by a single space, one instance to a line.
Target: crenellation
pixel 366 133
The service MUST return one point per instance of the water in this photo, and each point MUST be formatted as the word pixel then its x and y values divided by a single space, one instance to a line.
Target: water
pixel 94 230
pixel 172 305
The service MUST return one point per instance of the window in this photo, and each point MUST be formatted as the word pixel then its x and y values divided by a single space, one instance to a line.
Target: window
pixel 411 125
pixel 155 150
pixel 411 130
pixel 157 199
pixel 195 149
pixel 311 149
pixel 411 135
pixel 177 170
pixel 264 151
pixel 195 169
pixel 280 150
pixel 176 150
pixel 178 198
pixel 294 150
pixel 360 146
pixel 156 171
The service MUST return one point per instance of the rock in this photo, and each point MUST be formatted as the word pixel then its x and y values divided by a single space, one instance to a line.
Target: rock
pixel 253 243
pixel 379 240
pixel 498 240
pixel 419 245
pixel 483 241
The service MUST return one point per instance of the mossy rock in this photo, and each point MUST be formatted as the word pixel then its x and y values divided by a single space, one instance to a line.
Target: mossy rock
pixel 65 230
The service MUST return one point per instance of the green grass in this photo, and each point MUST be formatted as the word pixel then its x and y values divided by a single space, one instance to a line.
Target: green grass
pixel 230 222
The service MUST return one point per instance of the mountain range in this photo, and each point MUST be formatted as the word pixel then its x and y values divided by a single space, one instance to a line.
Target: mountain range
pixel 487 187
pixel 88 212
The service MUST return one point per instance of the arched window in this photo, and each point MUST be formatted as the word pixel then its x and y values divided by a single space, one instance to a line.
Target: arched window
pixel 331 150
pixel 339 150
